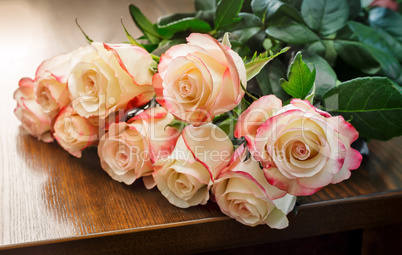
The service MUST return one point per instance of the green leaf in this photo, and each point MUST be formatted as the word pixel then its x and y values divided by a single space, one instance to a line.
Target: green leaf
pixel 368 59
pixel 388 20
pixel 326 76
pixel 244 35
pixel 289 31
pixel 129 37
pixel 247 20
pixel 205 5
pixel 167 26
pixel 301 78
pixel 369 36
pixel 177 124
pixel 258 62
pixel 394 45
pixel 354 9
pixel 268 10
pixel 325 16
pixel 268 79
pixel 226 12
pixel 144 24
pixel 374 106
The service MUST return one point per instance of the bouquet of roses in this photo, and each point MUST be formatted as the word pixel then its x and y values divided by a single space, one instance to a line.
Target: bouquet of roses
pixel 203 118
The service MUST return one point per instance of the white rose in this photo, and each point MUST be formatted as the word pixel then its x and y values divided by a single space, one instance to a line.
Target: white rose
pixel 50 83
pixel 128 150
pixel 73 132
pixel 109 77
pixel 30 113
pixel 186 176
pixel 200 79
pixel 243 193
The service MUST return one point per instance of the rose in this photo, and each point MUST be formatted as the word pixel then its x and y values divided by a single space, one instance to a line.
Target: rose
pixel 50 83
pixel 304 149
pixel 30 113
pixel 128 150
pixel 200 79
pixel 73 132
pixel 186 176
pixel 109 77
pixel 243 193
pixel 255 115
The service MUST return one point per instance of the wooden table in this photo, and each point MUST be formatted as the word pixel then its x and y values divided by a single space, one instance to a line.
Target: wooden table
pixel 51 202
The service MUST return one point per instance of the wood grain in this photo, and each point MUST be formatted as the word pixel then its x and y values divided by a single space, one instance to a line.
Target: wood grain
pixel 51 202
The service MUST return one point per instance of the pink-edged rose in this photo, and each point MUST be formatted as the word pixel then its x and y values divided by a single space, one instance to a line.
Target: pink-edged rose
pixel 128 150
pixel 30 113
pixel 51 91
pixel 200 79
pixel 304 149
pixel 186 176
pixel 109 77
pixel 243 193
pixel 73 132
pixel 255 115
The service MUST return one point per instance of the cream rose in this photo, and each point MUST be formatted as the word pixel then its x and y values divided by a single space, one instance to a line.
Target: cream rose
pixel 30 113
pixel 200 79
pixel 243 193
pixel 51 91
pixel 255 115
pixel 128 150
pixel 186 176
pixel 304 149
pixel 109 77
pixel 73 132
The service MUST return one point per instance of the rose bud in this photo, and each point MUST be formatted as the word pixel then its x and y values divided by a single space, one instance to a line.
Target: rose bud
pixel 30 113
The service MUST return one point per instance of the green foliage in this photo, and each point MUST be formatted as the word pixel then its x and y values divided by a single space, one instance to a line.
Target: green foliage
pixel 325 76
pixel 169 25
pixel 301 78
pixel 258 62
pixel 144 24
pixel 226 13
pixel 341 40
pixel 325 16
pixel 373 106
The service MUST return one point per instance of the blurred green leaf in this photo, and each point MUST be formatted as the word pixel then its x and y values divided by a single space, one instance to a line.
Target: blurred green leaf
pixel 326 76
pixel 325 16
pixel 247 20
pixel 394 45
pixel 244 35
pixel 354 9
pixel 167 26
pixel 374 106
pixel 226 12
pixel 301 78
pixel 268 79
pixel 368 59
pixel 289 31
pixel 388 20
pixel 205 5
pixel 144 24
pixel 267 9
